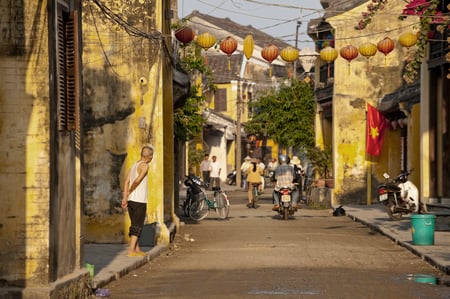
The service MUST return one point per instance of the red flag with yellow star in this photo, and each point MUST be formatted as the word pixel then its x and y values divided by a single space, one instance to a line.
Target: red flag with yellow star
pixel 376 123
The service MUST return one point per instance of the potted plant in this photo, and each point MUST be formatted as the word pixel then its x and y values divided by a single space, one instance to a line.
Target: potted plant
pixel 321 161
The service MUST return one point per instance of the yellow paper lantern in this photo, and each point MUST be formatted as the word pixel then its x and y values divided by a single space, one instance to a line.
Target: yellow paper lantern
pixel 328 54
pixel 289 54
pixel 408 39
pixel 368 50
pixel 206 40
pixel 248 46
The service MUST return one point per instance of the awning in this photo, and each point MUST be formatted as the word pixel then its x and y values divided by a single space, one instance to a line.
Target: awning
pixel 220 123
pixel 407 93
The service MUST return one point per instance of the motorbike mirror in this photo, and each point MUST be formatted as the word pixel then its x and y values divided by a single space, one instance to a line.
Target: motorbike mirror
pixel 386 176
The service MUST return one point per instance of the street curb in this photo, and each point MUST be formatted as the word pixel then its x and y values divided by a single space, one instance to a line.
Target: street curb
pixel 411 248
pixel 115 275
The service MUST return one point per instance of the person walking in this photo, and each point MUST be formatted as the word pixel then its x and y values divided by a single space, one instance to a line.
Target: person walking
pixel 215 173
pixel 134 199
pixel 205 168
pixel 244 168
pixel 262 167
pixel 254 175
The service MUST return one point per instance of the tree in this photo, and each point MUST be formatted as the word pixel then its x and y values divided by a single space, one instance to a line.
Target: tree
pixel 285 115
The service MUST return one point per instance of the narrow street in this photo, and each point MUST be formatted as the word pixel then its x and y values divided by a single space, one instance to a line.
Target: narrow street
pixel 256 254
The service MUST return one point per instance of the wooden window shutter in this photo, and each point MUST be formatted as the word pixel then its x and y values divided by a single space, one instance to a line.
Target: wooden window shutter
pixel 220 99
pixel 68 72
pixel 61 72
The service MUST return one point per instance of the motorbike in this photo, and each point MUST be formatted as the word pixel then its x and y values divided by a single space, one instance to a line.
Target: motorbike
pixel 286 207
pixel 231 177
pixel 193 192
pixel 400 196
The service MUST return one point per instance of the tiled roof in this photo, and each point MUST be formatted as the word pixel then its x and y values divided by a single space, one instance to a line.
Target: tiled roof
pixel 219 66
pixel 221 74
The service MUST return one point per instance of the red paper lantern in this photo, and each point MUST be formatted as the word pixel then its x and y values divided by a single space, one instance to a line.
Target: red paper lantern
pixel 270 53
pixel 349 53
pixel 185 35
pixel 385 46
pixel 228 46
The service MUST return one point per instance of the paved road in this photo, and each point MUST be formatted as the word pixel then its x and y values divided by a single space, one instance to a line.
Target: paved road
pixel 255 254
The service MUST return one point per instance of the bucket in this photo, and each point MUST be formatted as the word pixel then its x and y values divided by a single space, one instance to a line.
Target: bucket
pixel 90 268
pixel 422 229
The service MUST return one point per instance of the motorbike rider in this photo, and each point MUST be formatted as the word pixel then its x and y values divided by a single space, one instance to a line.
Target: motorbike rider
pixel 284 177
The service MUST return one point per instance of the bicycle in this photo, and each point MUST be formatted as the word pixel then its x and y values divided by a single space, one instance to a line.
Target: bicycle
pixel 255 194
pixel 200 208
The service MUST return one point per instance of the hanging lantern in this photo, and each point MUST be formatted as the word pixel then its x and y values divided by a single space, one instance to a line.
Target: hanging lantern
pixel 228 46
pixel 206 41
pixel 270 53
pixel 349 53
pixel 385 46
pixel 328 54
pixel 408 39
pixel 248 46
pixel 308 58
pixel 289 54
pixel 248 50
pixel 185 35
pixel 368 50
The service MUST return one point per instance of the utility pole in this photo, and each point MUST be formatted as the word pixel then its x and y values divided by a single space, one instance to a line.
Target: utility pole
pixel 299 23
pixel 238 133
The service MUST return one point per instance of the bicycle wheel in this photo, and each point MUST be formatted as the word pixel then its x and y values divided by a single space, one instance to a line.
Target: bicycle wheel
pixel 198 210
pixel 255 197
pixel 222 205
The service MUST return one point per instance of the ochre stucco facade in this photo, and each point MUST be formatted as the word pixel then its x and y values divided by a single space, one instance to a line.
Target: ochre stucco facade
pixel 355 86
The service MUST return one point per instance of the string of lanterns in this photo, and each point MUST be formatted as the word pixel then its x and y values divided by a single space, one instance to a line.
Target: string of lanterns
pixel 290 54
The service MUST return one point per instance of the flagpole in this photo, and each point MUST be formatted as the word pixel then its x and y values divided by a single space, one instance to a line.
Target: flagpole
pixel 369 170
pixel 369 181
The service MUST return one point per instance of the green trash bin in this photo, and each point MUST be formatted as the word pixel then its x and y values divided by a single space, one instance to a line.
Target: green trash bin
pixel 422 229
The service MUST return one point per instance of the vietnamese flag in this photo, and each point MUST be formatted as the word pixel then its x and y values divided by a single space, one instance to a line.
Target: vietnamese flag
pixel 376 123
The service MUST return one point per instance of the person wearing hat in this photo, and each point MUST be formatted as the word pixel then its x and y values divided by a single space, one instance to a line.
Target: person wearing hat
pixel 298 173
pixel 244 168
pixel 254 176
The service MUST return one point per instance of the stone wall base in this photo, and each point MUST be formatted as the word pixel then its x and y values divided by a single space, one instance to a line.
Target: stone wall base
pixel 76 285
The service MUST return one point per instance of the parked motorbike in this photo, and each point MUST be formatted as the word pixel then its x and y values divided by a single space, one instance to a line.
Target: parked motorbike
pixel 193 192
pixel 286 207
pixel 400 196
pixel 231 177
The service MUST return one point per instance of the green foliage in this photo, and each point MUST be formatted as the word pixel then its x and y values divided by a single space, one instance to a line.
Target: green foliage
pixel 285 115
pixel 321 161
pixel 188 121
pixel 195 157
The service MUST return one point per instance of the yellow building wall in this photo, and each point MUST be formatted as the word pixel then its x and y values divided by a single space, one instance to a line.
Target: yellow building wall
pixel 354 86
pixel 24 150
pixel 129 101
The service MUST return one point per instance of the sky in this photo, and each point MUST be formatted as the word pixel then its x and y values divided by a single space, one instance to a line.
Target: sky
pixel 277 18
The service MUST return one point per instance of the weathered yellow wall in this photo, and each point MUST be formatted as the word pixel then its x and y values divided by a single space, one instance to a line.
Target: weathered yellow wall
pixel 353 90
pixel 126 100
pixel 24 150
